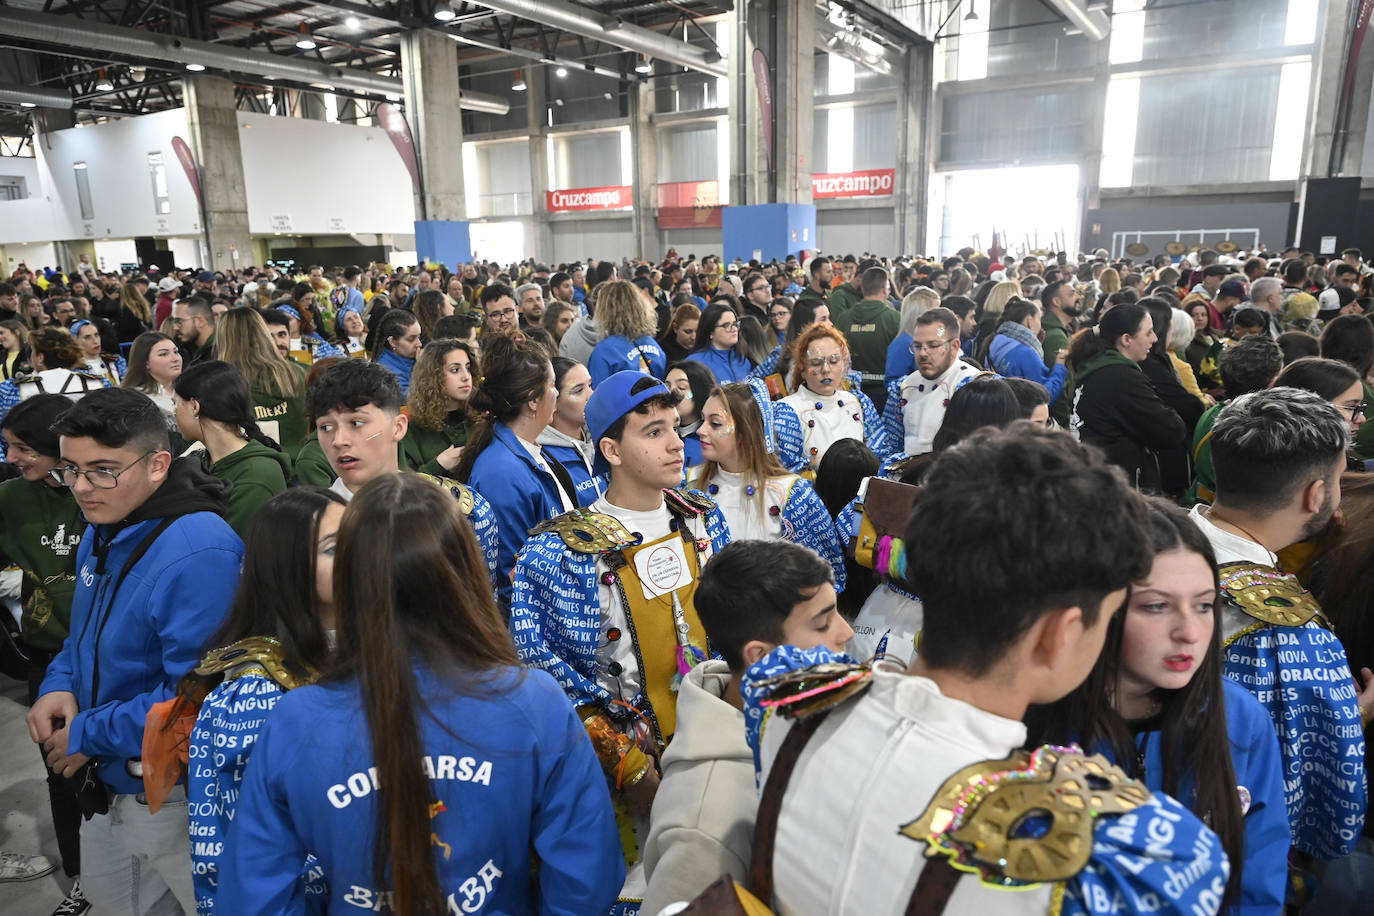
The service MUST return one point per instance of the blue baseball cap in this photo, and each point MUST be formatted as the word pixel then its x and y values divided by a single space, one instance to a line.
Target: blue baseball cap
pixel 612 399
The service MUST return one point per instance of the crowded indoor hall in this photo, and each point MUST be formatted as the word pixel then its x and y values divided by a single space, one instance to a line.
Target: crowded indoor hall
pixel 597 458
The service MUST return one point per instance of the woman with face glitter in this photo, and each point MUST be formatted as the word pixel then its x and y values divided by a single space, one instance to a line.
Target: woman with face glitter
pixel 826 409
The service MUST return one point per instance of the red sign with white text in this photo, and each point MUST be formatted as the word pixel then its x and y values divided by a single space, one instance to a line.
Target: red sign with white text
pixel 872 183
pixel 614 198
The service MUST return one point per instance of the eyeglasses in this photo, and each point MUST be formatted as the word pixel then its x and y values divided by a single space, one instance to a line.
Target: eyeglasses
pixel 1356 410
pixel 727 326
pixel 758 287
pixel 504 313
pixel 100 478
pixel 834 359
pixel 932 347
pixel 780 313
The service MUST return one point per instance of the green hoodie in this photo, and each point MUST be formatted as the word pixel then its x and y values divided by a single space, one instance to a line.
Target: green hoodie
pixel 1364 439
pixel 312 468
pixel 1106 358
pixel 421 447
pixel 257 472
pixel 41 531
pixel 287 413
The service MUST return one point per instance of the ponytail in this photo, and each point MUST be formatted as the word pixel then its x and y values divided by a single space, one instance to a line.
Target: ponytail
pixel 1090 343
pixel 514 372
pixel 224 397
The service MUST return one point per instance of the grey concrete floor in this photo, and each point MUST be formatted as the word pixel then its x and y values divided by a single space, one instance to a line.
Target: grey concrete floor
pixel 25 821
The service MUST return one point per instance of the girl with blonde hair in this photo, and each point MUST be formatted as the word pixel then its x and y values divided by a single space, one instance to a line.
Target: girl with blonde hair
pixel 627 324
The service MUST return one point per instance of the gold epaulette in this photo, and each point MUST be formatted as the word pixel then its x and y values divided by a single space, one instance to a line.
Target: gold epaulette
pixel 1268 595
pixel 260 654
pixel 806 691
pixel 585 531
pixel 688 502
pixel 460 492
pixel 1025 819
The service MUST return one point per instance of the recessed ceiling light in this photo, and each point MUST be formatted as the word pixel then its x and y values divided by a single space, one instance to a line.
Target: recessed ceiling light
pixel 305 42
pixel 645 65
pixel 28 105
pixel 561 71
pixel 104 85
pixel 444 14
pixel 517 84
pixel 195 68
pixel 352 23
pixel 392 97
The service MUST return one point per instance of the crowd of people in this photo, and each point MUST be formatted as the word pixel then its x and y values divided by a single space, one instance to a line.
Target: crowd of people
pixel 830 585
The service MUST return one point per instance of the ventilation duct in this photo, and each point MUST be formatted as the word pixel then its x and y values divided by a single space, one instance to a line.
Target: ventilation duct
pixel 1094 24
pixel 590 24
pixel 152 46
pixel 31 96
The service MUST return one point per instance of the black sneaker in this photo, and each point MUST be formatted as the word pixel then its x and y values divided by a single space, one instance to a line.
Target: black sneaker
pixel 74 904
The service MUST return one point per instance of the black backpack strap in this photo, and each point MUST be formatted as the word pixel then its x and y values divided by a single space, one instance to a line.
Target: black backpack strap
pixel 138 553
pixel 561 475
pixel 933 888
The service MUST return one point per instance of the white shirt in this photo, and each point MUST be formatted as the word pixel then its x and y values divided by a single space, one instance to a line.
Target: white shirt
pixel 923 403
pixel 537 453
pixel 872 767
pixel 1232 548
pixel 826 419
pixel 338 486
pixel 743 513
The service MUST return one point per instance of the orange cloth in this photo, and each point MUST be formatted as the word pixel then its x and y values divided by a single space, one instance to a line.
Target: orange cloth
pixel 166 744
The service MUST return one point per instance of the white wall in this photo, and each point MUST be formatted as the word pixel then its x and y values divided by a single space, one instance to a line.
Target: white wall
pixel 186 252
pixel 110 254
pixel 575 239
pixel 36 256
pixel 116 157
pixel 20 167
pixel 323 179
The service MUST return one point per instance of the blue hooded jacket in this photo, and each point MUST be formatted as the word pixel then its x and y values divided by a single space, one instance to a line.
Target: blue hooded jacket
pixel 1009 356
pixel 521 496
pixel 399 366
pixel 514 782
pixel 615 354
pixel 151 631
pixel 726 365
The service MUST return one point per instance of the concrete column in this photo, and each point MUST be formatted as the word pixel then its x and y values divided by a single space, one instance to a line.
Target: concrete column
pixel 914 106
pixel 741 105
pixel 211 117
pixel 429 63
pixel 1328 71
pixel 644 178
pixel 536 103
pixel 786 32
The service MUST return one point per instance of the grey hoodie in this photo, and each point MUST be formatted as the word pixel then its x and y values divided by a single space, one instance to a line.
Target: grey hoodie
pixel 580 340
pixel 702 823
pixel 551 436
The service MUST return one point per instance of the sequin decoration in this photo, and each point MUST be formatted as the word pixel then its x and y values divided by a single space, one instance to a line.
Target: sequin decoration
pixel 774 511
pixel 613 634
pixel 749 490
pixel 820 406
pixel 713 489
pixel 608 579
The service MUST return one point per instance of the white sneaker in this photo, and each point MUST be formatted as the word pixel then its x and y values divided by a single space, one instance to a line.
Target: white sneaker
pixel 16 867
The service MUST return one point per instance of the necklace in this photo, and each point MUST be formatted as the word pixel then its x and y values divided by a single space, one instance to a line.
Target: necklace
pixel 1215 520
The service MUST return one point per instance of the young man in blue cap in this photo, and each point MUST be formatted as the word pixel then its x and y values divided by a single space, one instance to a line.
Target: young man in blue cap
pixel 603 596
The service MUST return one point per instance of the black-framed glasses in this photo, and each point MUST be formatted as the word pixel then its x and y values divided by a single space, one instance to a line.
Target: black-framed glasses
pixel 1356 410
pixel 100 478
pixel 727 326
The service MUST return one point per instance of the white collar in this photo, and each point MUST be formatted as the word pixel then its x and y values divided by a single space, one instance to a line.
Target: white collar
pixel 1230 547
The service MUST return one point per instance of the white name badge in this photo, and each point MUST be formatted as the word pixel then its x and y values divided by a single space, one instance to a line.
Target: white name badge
pixel 662 568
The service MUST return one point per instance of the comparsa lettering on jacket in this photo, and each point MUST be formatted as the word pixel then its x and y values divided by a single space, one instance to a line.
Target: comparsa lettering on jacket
pixel 461 769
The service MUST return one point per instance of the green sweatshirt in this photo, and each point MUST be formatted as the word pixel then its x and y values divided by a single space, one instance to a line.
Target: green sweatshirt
pixel 287 413
pixel 42 529
pixel 312 468
pixel 842 300
pixel 869 327
pixel 1364 439
pixel 257 472
pixel 421 447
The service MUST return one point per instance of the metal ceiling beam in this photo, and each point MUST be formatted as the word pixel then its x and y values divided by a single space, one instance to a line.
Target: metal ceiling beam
pixel 1094 24
pixel 151 46
pixel 582 21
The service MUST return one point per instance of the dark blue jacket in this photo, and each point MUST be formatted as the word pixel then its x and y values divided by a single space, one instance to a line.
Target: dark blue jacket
pixel 151 631
pixel 726 365
pixel 514 782
pixel 521 495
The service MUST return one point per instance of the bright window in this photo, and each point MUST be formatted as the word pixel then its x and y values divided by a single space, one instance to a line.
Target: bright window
pixel 1286 158
pixel 1118 133
pixel 472 182
pixel 1128 31
pixel 1301 26
pixel 973 41
pixel 841 79
pixel 162 203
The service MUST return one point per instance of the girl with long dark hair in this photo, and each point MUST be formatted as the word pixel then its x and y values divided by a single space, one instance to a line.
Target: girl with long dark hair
pixel 694 382
pixel 14 348
pixel 437 403
pixel 566 438
pixel 1157 704
pixel 759 497
pixel 277 636
pixel 681 336
pixel 398 345
pixel 1114 405
pixel 503 460
pixel 428 771
pixel 717 336
pixel 214 406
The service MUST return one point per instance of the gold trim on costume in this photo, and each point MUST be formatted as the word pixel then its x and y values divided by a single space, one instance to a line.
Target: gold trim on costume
pixel 1268 595
pixel 585 531
pixel 254 655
